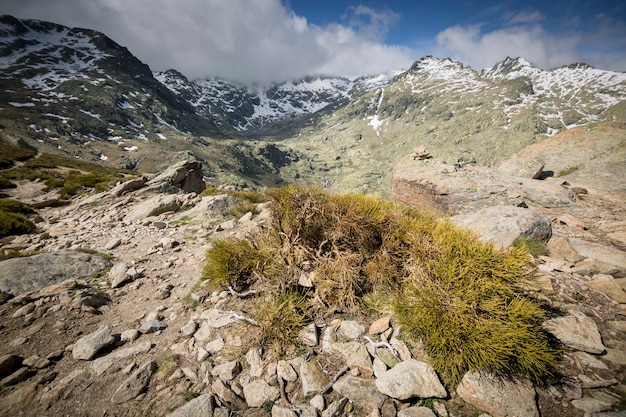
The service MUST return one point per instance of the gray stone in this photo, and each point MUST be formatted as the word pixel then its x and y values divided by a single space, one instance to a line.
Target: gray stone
pixel 184 175
pixel 596 403
pixel 217 318
pixel 380 325
pixel 361 392
pixel 312 377
pixel 318 402
pixel 203 333
pixel 215 346
pixel 24 310
pixel 498 398
pixel 285 371
pixel 153 207
pixel 416 411
pixel 201 406
pixel 118 276
pixel 503 224
pixel 16 377
pixel 576 331
pixel 60 388
pixel 88 346
pixel 134 384
pixel 227 395
pixel 351 330
pixel 335 408
pixel 226 371
pixel 152 326
pixel 37 362
pixel 257 392
pixel 601 254
pixel 129 335
pixel 409 379
pixel 355 353
pixel 128 186
pixel 280 411
pixel 101 364
pixel 309 335
pixel 253 357
pixel 189 328
pixel 113 243
pixel 32 273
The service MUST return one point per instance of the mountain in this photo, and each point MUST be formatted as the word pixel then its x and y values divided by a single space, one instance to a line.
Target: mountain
pixel 460 115
pixel 77 92
pixel 265 111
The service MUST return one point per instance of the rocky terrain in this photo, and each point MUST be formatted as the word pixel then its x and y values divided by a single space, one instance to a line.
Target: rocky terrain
pixel 109 320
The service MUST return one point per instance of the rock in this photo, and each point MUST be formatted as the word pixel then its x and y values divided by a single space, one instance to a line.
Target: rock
pixel 153 207
pixel 596 403
pixel 257 392
pixel 280 411
pixel 571 221
pixel 185 175
pixel 113 243
pixel 24 310
pixel 201 406
pixel 204 333
pixel 355 353
pixel 152 326
pixel 361 392
pixel 600 253
pixel 217 319
pixel 561 248
pixel 503 224
pixel 118 276
pixel 285 371
pixel 227 395
pixel 379 326
pixel 88 346
pixel 128 186
pixel 37 362
pixel 134 384
pixel 606 284
pixel 615 352
pixel 576 331
pixel 309 335
pixel 318 402
pixel 189 328
pixel 529 168
pixel 33 273
pixel 312 377
pixel 129 335
pixel 416 411
pixel 13 403
pixel 9 364
pixel 409 379
pixel 432 184
pixel 60 388
pixel 351 330
pixel 335 408
pixel 253 357
pixel 497 397
pixel 215 346
pixel 389 408
pixel 16 377
pixel 226 371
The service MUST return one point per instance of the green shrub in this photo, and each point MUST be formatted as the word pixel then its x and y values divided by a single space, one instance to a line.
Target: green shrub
pixel 5 183
pixel 11 154
pixel 534 247
pixel 462 297
pixel 464 301
pixel 14 206
pixel 567 171
pixel 14 224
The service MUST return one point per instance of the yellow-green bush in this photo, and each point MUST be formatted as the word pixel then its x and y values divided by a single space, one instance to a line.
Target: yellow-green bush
pixel 12 218
pixel 460 296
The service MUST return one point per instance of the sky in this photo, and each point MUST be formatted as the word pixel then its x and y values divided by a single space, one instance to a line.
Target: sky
pixel 265 41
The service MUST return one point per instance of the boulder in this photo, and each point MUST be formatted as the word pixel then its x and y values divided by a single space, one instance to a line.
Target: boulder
pixel 431 184
pixel 184 175
pixel 313 377
pixel 32 273
pixel 576 331
pixel 500 398
pixel 503 224
pixel 88 346
pixel 153 207
pixel 135 384
pixel 258 392
pixel 410 379
pixel 128 186
pixel 201 406
pixel 361 392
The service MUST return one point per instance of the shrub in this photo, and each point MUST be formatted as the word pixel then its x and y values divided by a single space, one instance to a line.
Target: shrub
pixel 534 247
pixel 11 154
pixel 14 224
pixel 14 206
pixel 462 297
pixel 464 301
pixel 5 183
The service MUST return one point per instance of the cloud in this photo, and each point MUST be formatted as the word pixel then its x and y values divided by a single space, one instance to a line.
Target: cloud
pixel 259 41
pixel 522 35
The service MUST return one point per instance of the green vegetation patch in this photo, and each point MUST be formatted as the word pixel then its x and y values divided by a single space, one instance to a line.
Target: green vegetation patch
pixel 353 254
pixel 11 154
pixel 13 220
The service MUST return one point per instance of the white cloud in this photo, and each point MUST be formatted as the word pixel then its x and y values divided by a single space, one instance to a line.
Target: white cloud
pixel 523 34
pixel 244 40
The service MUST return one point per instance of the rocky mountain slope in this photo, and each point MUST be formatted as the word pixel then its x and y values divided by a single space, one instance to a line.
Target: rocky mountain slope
pixel 135 335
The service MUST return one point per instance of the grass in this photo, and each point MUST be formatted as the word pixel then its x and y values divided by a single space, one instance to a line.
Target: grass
pixel 462 297
pixel 567 171
pixel 166 364
pixel 534 247
pixel 9 155
pixel 13 220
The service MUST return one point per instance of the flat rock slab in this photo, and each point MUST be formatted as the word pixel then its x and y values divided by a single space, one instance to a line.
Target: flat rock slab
pixel 88 346
pixel 135 384
pixel 576 331
pixel 410 379
pixel 23 275
pixel 503 224
pixel 497 397
pixel 201 406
